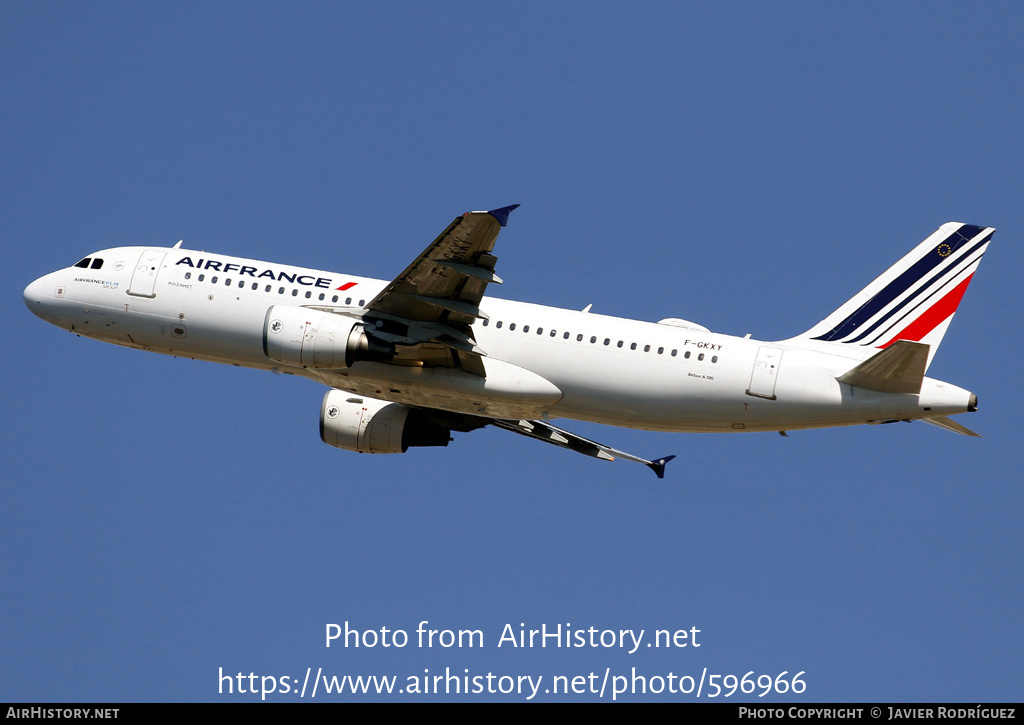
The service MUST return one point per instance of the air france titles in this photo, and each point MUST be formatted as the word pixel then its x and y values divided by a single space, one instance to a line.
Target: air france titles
pixel 565 636
pixel 255 272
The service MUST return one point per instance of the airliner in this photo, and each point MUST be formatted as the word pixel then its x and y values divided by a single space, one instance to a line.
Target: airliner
pixel 410 361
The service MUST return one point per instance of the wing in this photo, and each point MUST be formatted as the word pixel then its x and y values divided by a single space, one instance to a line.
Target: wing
pixel 429 309
pixel 541 431
pixel 536 429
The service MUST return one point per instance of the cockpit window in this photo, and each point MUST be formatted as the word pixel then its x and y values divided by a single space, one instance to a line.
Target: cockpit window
pixel 97 263
pixel 84 264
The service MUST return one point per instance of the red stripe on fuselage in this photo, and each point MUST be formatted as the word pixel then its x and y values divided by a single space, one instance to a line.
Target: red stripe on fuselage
pixel 933 316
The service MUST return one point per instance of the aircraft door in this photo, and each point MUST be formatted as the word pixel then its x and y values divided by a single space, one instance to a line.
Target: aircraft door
pixel 143 282
pixel 765 373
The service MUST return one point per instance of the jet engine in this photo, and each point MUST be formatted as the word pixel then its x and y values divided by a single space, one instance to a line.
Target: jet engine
pixel 366 425
pixel 313 338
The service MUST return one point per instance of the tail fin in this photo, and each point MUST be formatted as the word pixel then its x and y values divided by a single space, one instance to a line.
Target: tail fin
pixel 912 300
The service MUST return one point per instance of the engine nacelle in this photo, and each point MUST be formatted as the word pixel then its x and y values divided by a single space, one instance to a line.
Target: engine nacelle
pixel 367 425
pixel 316 339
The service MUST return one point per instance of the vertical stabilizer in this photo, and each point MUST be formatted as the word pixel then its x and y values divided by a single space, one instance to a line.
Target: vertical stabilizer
pixel 913 300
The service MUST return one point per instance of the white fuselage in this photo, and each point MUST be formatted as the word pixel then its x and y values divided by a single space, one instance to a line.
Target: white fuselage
pixel 608 370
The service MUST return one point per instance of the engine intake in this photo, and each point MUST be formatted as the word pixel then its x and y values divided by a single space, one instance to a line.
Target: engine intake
pixel 316 339
pixel 367 425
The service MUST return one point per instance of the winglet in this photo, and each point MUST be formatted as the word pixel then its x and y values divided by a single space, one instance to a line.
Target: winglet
pixel 502 214
pixel 658 466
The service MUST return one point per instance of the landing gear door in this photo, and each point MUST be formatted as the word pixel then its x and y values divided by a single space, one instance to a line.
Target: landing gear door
pixel 765 373
pixel 143 282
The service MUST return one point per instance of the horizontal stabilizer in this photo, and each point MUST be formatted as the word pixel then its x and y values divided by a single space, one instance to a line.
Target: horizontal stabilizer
pixel 898 368
pixel 949 424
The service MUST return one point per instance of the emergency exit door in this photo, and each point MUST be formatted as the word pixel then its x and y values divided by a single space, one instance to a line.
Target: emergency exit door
pixel 143 282
pixel 765 373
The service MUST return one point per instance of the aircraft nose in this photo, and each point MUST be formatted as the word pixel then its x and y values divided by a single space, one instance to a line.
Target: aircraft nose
pixel 33 295
pixel 40 295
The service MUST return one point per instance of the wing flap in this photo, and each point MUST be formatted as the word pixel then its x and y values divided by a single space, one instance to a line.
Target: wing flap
pixel 481 273
pixel 463 308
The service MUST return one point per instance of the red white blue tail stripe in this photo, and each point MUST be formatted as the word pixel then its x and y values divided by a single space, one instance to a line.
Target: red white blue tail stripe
pixel 915 298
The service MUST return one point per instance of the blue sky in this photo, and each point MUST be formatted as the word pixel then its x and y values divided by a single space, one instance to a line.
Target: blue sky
pixel 747 166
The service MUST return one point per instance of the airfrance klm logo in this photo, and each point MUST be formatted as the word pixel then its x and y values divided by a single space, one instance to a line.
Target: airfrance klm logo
pixel 255 272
